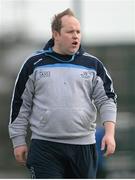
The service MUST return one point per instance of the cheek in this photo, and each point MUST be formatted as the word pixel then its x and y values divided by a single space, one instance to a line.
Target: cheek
pixel 79 37
pixel 66 41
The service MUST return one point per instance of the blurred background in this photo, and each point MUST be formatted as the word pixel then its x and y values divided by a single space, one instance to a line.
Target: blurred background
pixel 108 30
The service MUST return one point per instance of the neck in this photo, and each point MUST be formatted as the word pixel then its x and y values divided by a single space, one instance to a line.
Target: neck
pixel 55 49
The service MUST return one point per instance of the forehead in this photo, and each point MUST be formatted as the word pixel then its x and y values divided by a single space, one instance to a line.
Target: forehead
pixel 70 22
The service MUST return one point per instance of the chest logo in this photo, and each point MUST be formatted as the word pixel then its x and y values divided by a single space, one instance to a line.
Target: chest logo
pixel 85 75
pixel 44 74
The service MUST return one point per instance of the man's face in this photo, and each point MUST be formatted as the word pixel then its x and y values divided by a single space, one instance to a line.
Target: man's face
pixel 68 40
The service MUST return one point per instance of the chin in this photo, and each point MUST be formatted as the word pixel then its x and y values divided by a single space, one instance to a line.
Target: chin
pixel 73 52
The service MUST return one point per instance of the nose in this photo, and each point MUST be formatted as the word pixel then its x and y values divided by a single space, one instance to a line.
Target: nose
pixel 75 35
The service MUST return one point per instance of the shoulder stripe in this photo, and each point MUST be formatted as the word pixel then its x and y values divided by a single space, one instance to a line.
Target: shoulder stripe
pixel 89 55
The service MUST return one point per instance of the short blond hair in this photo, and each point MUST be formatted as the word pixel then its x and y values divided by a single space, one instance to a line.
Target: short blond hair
pixel 57 23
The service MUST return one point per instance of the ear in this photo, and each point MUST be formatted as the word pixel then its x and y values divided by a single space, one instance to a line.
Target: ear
pixel 55 35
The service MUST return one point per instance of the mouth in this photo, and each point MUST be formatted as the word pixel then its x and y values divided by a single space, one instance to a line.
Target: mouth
pixel 75 43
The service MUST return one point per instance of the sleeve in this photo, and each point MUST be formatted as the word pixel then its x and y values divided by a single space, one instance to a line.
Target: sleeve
pixel 21 105
pixel 104 95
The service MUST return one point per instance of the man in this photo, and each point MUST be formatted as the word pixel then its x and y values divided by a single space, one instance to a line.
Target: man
pixel 57 91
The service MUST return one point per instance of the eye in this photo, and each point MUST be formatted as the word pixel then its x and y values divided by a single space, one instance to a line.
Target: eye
pixel 71 32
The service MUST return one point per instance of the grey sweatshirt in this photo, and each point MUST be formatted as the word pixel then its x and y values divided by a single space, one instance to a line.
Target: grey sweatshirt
pixel 59 97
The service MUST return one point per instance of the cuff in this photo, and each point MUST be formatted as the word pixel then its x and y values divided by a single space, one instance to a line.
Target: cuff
pixel 18 141
pixel 108 116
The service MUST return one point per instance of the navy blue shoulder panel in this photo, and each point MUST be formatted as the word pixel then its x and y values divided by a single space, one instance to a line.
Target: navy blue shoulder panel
pixel 22 78
pixel 86 61
pixel 107 81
